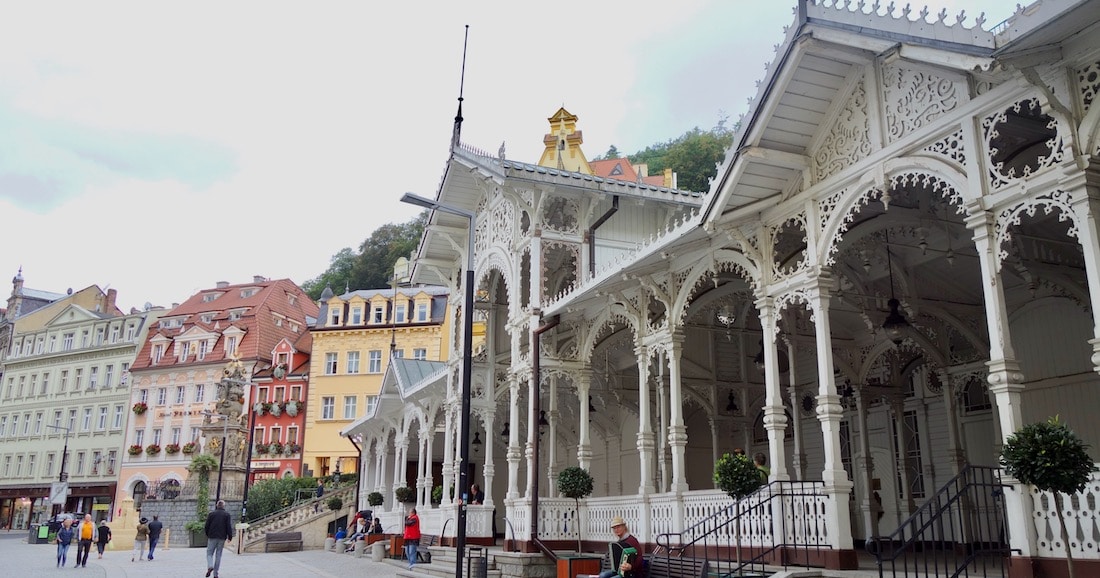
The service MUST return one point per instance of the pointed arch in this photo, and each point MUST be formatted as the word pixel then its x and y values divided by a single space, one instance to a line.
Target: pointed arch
pixel 723 260
pixel 840 209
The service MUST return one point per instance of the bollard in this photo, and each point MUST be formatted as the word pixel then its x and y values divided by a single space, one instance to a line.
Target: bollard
pixel 360 547
pixel 377 551
pixel 329 543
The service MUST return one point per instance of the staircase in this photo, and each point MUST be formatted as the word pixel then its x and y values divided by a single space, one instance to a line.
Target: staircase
pixel 293 518
pixel 959 531
pixel 443 565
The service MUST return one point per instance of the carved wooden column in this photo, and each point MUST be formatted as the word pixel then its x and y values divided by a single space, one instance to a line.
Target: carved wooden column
pixel 1086 205
pixel 869 506
pixel 955 454
pixel 488 470
pixel 400 444
pixel 552 439
pixel 799 457
pixel 423 472
pixel 450 431
pixel 677 431
pixel 775 418
pixel 662 428
pixel 830 413
pixel 1005 378
pixel 532 431
pixel 584 443
pixel 514 453
pixel 645 430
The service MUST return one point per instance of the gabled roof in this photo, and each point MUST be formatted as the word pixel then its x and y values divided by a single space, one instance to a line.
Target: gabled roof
pixel 260 334
pixel 405 379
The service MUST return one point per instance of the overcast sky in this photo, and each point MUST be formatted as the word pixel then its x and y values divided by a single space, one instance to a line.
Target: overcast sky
pixel 159 148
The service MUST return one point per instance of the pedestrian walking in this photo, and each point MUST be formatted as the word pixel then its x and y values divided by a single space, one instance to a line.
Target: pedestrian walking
pixel 154 534
pixel 64 538
pixel 219 530
pixel 85 533
pixel 140 539
pixel 103 536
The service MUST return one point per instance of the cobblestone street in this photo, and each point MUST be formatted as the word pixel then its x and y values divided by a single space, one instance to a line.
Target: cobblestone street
pixel 41 560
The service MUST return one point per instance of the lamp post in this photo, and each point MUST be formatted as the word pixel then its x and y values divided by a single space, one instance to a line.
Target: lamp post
pixel 63 476
pixel 221 458
pixel 467 366
pixel 247 464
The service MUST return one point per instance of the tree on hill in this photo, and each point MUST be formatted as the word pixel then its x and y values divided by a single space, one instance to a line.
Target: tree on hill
pixel 372 266
pixel 694 156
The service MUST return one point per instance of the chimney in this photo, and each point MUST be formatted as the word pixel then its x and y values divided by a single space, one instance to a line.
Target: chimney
pixel 258 278
pixel 222 284
pixel 112 296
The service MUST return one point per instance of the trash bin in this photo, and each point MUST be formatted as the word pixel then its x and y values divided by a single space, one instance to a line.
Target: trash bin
pixel 477 562
pixel 377 551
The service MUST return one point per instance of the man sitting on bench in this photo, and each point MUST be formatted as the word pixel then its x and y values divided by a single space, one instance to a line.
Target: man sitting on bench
pixel 626 553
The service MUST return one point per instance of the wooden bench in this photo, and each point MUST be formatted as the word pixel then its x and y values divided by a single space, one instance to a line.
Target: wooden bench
pixel 426 540
pixel 283 539
pixel 672 567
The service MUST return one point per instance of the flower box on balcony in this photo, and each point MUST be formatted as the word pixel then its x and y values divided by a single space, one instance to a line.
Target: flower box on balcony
pixel 152 449
pixel 140 407
pixel 134 450
pixel 189 448
pixel 172 448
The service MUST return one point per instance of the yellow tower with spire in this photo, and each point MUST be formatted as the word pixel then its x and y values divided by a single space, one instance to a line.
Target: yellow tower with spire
pixel 563 144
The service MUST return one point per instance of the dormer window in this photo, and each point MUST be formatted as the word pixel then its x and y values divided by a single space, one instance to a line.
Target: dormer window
pixel 248 292
pixel 293 299
pixel 400 315
pixel 356 315
pixel 203 347
pixel 230 345
pixel 158 353
pixel 334 317
pixel 235 315
pixel 210 297
pixel 422 312
pixel 207 317
pixel 294 327
pixel 378 316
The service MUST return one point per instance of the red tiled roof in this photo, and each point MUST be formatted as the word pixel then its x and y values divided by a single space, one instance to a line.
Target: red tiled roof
pixel 256 320
pixel 619 169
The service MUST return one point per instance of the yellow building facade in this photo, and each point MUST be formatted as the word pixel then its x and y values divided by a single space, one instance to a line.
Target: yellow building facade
pixel 355 337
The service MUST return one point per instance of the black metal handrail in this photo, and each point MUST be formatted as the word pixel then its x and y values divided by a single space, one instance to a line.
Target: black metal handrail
pixel 959 531
pixel 784 520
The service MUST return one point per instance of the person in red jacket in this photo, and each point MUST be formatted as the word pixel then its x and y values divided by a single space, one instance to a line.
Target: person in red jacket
pixel 412 536
pixel 633 568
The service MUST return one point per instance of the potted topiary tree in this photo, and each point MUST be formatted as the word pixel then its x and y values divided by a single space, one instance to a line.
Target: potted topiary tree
pixel 405 494
pixel 374 499
pixel 575 482
pixel 1049 456
pixel 738 477
pixel 201 466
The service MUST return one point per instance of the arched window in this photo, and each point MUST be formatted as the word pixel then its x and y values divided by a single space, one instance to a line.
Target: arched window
pixel 139 495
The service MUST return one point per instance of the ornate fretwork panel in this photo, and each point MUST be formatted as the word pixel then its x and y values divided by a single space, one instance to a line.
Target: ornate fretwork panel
pixel 847 140
pixel 950 147
pixel 789 246
pixel 559 267
pixel 1088 81
pixel 915 98
pixel 1050 202
pixel 561 215
pixel 502 224
pixel 1022 141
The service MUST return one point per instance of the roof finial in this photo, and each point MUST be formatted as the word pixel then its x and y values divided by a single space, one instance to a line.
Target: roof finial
pixel 456 135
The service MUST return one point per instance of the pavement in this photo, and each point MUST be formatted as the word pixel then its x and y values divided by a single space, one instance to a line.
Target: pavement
pixel 36 560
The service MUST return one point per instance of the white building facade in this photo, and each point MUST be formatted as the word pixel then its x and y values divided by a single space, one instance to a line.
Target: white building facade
pixel 896 268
